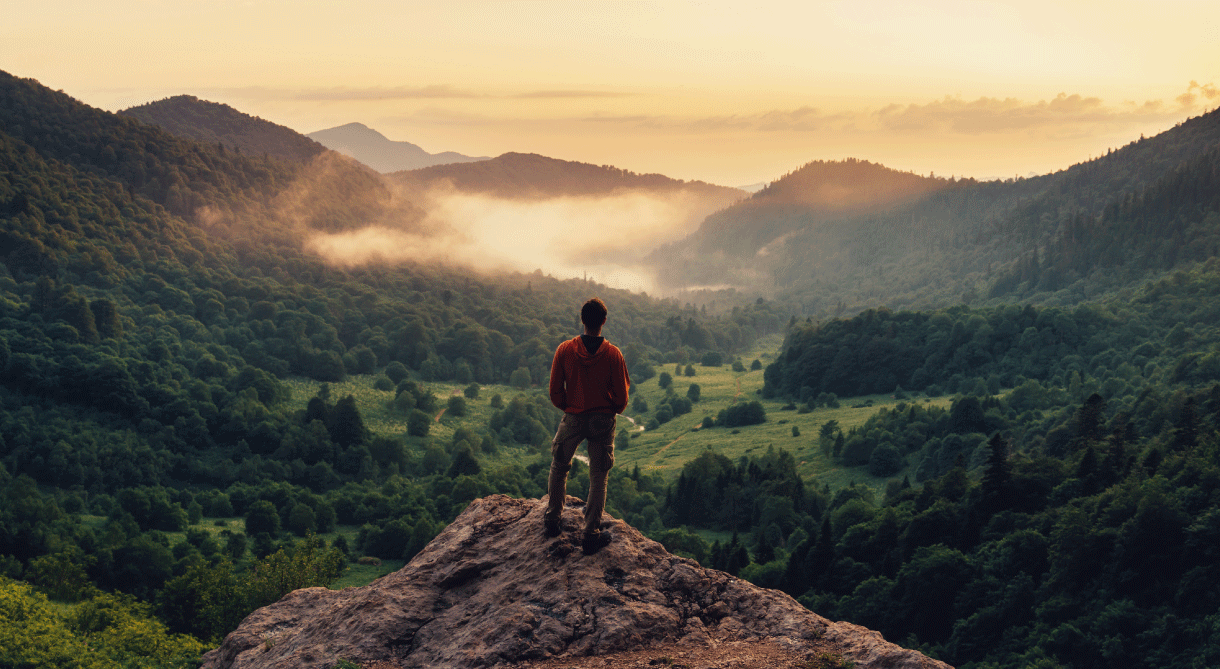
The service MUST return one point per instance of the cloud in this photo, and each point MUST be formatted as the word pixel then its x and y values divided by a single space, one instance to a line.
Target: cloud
pixel 561 94
pixel 380 93
pixel 995 115
pixel 553 235
pixel 1194 91
pixel 346 94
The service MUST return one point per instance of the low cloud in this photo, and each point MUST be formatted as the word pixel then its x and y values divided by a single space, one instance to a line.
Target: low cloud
pixel 603 238
pixel 949 115
pixel 1194 93
pixel 989 115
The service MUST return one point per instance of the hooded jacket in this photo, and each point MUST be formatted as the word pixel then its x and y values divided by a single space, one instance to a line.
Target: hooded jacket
pixel 583 382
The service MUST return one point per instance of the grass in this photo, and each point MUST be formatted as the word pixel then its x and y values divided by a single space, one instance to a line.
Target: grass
pixel 665 450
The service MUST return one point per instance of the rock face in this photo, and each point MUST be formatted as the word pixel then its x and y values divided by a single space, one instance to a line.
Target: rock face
pixel 492 590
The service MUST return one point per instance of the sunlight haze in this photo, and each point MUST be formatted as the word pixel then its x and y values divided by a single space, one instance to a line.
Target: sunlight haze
pixel 730 93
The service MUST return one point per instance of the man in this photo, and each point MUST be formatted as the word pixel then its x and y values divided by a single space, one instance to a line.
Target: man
pixel 589 384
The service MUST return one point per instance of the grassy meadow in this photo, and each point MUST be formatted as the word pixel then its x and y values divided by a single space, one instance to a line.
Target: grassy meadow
pixel 666 449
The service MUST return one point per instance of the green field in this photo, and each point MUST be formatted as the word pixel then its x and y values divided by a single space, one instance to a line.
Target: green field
pixel 666 449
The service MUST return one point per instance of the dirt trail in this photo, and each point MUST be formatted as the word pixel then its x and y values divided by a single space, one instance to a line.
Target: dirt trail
pixel 693 429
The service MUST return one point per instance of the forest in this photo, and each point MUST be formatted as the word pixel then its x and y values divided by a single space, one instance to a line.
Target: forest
pixel 163 474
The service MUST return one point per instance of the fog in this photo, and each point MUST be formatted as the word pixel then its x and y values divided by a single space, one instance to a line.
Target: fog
pixel 602 238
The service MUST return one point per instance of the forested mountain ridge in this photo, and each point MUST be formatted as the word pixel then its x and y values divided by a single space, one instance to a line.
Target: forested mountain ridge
pixel 380 153
pixel 154 295
pixel 528 175
pixel 1069 501
pixel 963 241
pixel 189 117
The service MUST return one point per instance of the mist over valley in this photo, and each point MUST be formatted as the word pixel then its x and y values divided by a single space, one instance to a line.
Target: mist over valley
pixel 980 417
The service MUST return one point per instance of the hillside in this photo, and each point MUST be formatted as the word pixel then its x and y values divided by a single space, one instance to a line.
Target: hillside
pixel 214 123
pixel 198 416
pixel 531 176
pixel 961 240
pixel 156 310
pixel 381 153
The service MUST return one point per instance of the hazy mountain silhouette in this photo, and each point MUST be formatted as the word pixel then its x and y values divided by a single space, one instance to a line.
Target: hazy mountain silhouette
pixel 850 235
pixel 529 175
pixel 380 153
pixel 211 122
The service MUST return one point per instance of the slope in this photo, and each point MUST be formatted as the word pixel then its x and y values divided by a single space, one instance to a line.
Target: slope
pixel 946 244
pixel 211 122
pixel 529 175
pixel 381 153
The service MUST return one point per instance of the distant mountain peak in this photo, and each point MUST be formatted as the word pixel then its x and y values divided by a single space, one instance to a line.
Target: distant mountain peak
pixel 381 153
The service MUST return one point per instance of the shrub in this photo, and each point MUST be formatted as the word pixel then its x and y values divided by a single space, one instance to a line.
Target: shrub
pixel 383 383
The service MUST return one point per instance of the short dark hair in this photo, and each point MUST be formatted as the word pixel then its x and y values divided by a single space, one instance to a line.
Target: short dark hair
pixel 593 313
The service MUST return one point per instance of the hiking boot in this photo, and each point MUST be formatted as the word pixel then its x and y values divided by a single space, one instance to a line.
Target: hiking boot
pixel 551 526
pixel 596 541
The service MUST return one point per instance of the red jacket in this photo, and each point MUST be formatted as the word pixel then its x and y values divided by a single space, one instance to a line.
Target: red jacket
pixel 583 383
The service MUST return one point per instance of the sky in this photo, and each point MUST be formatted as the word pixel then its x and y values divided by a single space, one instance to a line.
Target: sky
pixel 733 93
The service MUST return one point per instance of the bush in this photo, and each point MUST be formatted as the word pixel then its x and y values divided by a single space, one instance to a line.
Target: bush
pixel 885 461
pixel 712 359
pixel 418 423
pixel 690 370
pixel 383 383
pixel 457 406
pixel 665 380
pixel 756 365
pixel 693 392
pixel 520 378
pixel 396 371
pixel 738 366
pixel 742 413
pixel 472 391
pixel 262 517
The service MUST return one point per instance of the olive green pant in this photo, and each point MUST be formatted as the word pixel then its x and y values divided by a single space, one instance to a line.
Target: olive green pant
pixel 598 430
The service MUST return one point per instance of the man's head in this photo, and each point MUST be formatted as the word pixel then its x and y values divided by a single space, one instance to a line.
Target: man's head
pixel 593 314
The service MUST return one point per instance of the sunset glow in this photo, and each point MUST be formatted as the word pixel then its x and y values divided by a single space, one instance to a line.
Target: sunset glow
pixel 731 93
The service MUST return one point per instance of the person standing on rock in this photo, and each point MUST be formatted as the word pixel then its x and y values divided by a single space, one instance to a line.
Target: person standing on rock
pixel 589 384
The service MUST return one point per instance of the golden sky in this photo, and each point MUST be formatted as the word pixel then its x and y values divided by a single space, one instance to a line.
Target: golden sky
pixel 728 92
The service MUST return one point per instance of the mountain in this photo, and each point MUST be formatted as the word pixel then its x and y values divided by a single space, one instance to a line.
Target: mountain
pixel 490 591
pixel 380 153
pixel 214 123
pixel 531 176
pixel 921 242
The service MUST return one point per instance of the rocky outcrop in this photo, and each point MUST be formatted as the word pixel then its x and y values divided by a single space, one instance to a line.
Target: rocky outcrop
pixel 492 590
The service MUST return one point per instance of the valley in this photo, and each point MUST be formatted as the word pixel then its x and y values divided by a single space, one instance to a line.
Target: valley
pixel 979 417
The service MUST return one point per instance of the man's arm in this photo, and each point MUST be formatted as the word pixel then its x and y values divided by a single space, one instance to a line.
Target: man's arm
pixel 620 381
pixel 558 391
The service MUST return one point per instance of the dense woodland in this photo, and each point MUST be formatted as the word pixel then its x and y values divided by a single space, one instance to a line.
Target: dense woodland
pixel 143 347
pixel 154 305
